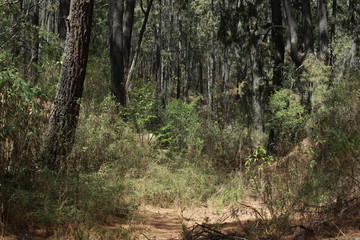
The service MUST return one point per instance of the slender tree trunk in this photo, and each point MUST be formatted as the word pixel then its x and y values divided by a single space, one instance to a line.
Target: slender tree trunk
pixel 128 19
pixel 324 31
pixel 187 71
pixel 35 43
pixel 211 71
pixel 138 47
pixel 332 32
pixel 225 83
pixel 116 10
pixel 354 58
pixel 179 58
pixel 64 8
pixel 256 93
pixel 277 40
pixel 64 115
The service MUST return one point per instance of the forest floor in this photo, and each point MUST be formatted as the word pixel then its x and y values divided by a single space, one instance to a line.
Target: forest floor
pixel 158 223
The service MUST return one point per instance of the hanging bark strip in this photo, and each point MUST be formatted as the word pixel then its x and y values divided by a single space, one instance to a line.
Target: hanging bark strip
pixel 64 115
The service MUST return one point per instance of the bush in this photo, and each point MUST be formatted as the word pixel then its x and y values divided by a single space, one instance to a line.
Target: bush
pixel 180 130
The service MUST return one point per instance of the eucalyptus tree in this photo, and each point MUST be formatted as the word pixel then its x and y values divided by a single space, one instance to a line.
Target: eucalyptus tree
pixel 65 112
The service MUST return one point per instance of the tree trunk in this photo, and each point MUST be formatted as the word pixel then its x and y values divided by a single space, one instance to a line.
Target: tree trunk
pixel 187 71
pixel 278 42
pixel 324 31
pixel 64 115
pixel 293 32
pixel 128 19
pixel 307 24
pixel 64 8
pixel 179 58
pixel 256 91
pixel 116 10
pixel 211 71
pixel 225 83
pixel 35 43
pixel 137 51
pixel 332 32
pixel 354 61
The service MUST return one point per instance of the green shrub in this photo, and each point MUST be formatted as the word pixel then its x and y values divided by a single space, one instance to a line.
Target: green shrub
pixel 287 119
pixel 20 122
pixel 180 130
pixel 103 137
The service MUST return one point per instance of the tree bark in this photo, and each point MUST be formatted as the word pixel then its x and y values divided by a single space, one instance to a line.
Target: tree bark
pixel 293 32
pixel 137 51
pixel 64 8
pixel 324 31
pixel 225 83
pixel 354 58
pixel 256 91
pixel 278 42
pixel 64 115
pixel 307 24
pixel 128 19
pixel 211 71
pixel 116 10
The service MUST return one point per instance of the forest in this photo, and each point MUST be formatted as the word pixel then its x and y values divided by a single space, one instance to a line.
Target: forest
pixel 179 119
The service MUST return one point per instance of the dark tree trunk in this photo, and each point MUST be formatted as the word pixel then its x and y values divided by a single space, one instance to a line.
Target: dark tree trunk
pixel 127 31
pixel 64 115
pixel 116 10
pixel 64 8
pixel 293 33
pixel 308 26
pixel 278 42
pixel 324 31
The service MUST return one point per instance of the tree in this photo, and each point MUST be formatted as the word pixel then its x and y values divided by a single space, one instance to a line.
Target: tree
pixel 116 11
pixel 65 112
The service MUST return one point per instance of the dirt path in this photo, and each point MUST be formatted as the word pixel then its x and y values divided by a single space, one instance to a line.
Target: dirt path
pixel 167 223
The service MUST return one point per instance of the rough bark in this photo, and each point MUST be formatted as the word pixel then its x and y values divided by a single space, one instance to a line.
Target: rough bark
pixel 277 40
pixel 324 31
pixel 64 115
pixel 116 10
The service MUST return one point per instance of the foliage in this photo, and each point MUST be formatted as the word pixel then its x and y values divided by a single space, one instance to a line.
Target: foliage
pixel 20 121
pixel 181 184
pixel 287 114
pixel 103 137
pixel 181 126
pixel 143 109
